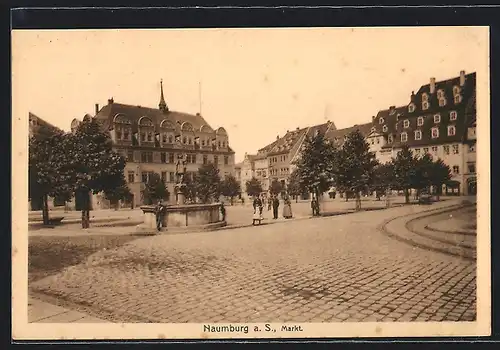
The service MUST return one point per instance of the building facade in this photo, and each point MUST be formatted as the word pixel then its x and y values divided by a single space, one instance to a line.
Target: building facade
pixel 151 140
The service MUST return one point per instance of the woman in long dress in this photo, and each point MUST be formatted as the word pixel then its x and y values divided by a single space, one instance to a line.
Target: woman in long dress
pixel 287 208
pixel 257 210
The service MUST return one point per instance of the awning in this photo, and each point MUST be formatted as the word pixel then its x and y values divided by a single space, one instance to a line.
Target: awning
pixel 453 183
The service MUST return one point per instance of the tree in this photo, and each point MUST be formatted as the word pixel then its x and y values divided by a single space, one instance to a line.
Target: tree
pixel 294 188
pixel 90 165
pixel 230 187
pixel 440 173
pixel 276 187
pixel 404 171
pixel 422 175
pixel 355 165
pixel 315 164
pixel 190 189
pixel 121 192
pixel 154 189
pixel 383 178
pixel 208 183
pixel 253 187
pixel 45 169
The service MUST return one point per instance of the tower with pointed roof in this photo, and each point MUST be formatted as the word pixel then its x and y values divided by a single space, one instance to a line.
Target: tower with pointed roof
pixel 162 105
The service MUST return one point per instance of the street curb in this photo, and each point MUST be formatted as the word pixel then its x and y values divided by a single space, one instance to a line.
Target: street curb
pixel 427 213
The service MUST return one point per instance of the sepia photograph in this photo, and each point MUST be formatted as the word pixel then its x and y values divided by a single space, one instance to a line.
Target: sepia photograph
pixel 251 183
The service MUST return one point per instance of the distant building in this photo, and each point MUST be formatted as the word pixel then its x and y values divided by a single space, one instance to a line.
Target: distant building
pixel 38 126
pixel 146 137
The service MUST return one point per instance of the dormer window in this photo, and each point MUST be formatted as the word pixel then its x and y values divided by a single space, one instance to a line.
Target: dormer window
pixel 442 102
pixel 451 130
pixel 425 105
pixel 420 121
pixel 404 137
pixel 440 94
pixel 456 90
pixel 406 124
pixel 435 133
pixel 381 121
pixel 437 118
pixel 453 115
pixel 384 128
pixel 458 99
pixel 425 97
pixel 418 135
pixel 411 108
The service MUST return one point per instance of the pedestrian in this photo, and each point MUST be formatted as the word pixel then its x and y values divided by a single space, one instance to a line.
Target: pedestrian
pixel 160 212
pixel 223 211
pixel 276 204
pixel 269 203
pixel 287 208
pixel 257 210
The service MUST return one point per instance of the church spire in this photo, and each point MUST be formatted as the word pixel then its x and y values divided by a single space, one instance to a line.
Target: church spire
pixel 162 105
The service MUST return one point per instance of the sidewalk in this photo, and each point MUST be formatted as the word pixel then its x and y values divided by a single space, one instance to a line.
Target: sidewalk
pixel 40 311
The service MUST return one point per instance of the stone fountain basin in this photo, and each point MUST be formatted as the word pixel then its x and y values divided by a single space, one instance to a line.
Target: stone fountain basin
pixel 183 218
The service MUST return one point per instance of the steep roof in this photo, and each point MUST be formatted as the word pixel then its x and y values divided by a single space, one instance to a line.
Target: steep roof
pixel 339 134
pixel 41 126
pixel 394 118
pixel 134 113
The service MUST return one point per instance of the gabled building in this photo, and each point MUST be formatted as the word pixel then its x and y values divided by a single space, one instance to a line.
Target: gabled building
pixel 439 120
pixel 151 139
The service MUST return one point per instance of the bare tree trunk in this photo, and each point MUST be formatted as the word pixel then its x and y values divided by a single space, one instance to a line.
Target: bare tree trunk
pixel 407 196
pixel 387 199
pixel 45 209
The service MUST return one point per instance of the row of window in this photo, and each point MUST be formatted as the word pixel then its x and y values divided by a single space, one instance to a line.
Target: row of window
pixel 165 176
pixel 420 120
pixel 282 158
pixel 125 135
pixel 418 134
pixel 282 171
pixel 457 98
pixel 261 173
pixel 191 158
pixel 434 149
pixel 471 167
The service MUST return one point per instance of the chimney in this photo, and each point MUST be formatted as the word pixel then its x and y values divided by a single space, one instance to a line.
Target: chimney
pixel 96 108
pixel 462 78
pixel 373 118
pixel 433 85
pixel 412 98
pixel 198 114
pixel 111 101
pixel 297 128
pixel 277 137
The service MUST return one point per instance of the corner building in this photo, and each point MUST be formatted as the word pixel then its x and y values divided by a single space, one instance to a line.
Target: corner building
pixel 148 139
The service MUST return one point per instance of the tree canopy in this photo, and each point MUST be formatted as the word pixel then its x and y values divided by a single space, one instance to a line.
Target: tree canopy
pixel 208 183
pixel 253 187
pixel 154 189
pixel 230 187
pixel 276 187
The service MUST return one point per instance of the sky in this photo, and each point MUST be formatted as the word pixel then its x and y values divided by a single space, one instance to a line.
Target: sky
pixel 256 83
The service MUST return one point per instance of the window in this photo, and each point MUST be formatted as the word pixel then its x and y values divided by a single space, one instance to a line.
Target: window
pixel 472 168
pixel 434 133
pixel 143 136
pixel 172 176
pixel 442 102
pixel 458 98
pixel 420 121
pixel 440 93
pixel 144 177
pixel 163 176
pixel 417 150
pixel 373 129
pixel 170 139
pixel 131 176
pixel 126 135
pixel 456 169
pixel 446 149
pixel 406 124
pixel 404 137
pixel 437 118
pixel 381 120
pixel 453 115
pixel 411 108
pixel 171 158
pixel 203 142
pixel 451 130
pixel 426 149
pixel 184 140
pixel 216 160
pixel 434 149
pixel 425 97
pixel 163 157
pixel 418 135
pixel 425 105
pixel 205 159
pixel 150 136
pixel 384 128
pixel 226 160
pixel 147 157
pixel 130 155
pixel 372 141
pixel 118 134
pixel 456 90
pixel 390 139
pixel 456 149
pixel 378 140
pixel 472 148
pixel 164 137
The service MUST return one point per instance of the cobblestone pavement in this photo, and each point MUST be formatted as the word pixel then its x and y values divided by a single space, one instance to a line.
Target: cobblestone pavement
pixel 318 270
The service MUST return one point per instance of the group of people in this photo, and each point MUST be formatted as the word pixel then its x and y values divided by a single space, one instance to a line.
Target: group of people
pixel 274 203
